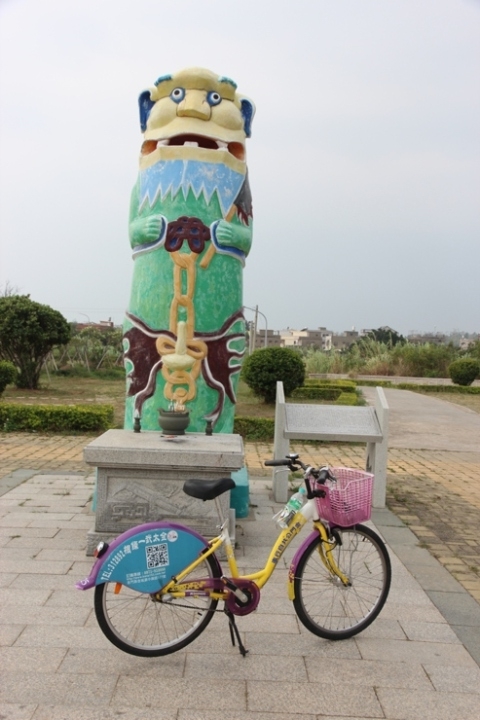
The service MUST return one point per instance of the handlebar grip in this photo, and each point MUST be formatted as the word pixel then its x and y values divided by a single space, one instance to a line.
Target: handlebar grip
pixel 276 463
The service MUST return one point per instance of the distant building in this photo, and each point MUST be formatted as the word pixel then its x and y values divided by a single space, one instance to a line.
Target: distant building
pixel 343 341
pixel 431 338
pixel 320 339
pixel 273 338
pixel 102 325
pixel 465 343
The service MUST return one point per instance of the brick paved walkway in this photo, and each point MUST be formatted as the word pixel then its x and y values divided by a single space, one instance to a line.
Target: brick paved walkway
pixel 436 493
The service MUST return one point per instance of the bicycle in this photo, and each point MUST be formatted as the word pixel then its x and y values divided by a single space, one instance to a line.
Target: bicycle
pixel 158 585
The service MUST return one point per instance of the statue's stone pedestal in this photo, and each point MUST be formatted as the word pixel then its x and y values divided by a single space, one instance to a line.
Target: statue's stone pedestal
pixel 140 478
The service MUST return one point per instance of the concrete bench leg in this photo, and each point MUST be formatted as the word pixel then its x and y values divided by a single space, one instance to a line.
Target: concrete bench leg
pixel 281 447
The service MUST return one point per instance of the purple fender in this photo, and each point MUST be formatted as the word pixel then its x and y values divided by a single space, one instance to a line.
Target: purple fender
pixel 146 557
pixel 296 559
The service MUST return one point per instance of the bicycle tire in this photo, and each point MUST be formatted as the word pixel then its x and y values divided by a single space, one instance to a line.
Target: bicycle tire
pixel 330 609
pixel 139 625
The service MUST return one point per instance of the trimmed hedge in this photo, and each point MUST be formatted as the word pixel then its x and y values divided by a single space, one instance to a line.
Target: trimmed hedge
pixel 316 393
pixel 348 398
pixel 439 388
pixel 254 428
pixel 460 389
pixel 344 385
pixel 55 418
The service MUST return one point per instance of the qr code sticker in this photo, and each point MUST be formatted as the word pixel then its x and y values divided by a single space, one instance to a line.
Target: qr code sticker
pixel 157 555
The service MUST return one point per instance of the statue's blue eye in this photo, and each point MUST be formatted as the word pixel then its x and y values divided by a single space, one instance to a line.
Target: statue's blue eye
pixel 177 94
pixel 214 98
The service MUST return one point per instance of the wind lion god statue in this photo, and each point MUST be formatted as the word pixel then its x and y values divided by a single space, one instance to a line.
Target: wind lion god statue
pixel 190 231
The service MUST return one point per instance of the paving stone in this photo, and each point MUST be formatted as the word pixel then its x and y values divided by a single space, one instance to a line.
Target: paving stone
pixel 61 637
pixel 252 667
pixel 454 679
pixel 67 712
pixel 10 633
pixel 26 581
pixel 179 693
pixel 9 596
pixel 317 697
pixel 416 704
pixel 243 715
pixel 369 673
pixel 6 579
pixel 13 711
pixel 49 616
pixel 44 660
pixel 414 652
pixel 37 567
pixel 94 661
pixel 430 632
pixel 28 687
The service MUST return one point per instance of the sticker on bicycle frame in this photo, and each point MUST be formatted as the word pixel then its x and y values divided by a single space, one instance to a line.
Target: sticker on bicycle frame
pixel 149 559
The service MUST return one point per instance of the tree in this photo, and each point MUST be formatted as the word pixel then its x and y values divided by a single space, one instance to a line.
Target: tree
pixel 8 373
pixel 464 371
pixel 28 332
pixel 387 335
pixel 263 368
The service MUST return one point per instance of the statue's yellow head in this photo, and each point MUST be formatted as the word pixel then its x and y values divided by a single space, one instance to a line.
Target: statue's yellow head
pixel 198 113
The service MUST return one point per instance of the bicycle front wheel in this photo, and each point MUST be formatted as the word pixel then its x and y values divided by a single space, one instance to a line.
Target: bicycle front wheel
pixel 323 603
pixel 139 624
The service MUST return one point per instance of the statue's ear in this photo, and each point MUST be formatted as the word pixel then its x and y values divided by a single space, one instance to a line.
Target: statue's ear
pixel 145 105
pixel 248 111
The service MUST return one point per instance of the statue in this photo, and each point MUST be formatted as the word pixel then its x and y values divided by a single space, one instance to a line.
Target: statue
pixel 190 231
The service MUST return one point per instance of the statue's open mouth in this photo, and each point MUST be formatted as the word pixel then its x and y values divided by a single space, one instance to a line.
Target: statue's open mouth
pixel 190 140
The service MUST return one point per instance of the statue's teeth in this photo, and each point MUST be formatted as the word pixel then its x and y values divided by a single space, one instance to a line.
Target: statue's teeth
pixel 222 145
pixel 190 144
pixel 162 143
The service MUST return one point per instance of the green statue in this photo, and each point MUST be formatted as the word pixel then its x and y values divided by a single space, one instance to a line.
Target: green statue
pixel 190 231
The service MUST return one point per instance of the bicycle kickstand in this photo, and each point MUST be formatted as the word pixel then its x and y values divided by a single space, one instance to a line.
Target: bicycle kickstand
pixel 234 632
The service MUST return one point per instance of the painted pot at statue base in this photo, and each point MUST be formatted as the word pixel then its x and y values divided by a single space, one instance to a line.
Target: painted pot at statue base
pixel 172 422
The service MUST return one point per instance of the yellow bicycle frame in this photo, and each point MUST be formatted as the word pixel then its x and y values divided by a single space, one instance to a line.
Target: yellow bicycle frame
pixel 176 588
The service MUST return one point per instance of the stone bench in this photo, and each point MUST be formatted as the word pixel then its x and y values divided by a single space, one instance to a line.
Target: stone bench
pixel 333 423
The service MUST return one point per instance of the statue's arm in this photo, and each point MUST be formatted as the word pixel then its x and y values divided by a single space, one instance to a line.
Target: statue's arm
pixel 143 229
pixel 235 234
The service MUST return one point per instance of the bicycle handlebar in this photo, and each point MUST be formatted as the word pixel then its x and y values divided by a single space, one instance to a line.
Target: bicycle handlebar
pixel 320 475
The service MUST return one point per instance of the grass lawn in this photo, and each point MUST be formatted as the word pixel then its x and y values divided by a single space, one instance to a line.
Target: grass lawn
pixel 59 390
pixel 469 401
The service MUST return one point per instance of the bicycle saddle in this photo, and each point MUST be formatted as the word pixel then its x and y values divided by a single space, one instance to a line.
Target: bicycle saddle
pixel 207 489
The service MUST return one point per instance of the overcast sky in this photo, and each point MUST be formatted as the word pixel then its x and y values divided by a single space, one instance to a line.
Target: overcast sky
pixel 363 162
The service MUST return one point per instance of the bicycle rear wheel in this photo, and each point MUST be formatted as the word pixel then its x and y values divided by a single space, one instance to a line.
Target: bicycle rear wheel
pixel 140 625
pixel 323 603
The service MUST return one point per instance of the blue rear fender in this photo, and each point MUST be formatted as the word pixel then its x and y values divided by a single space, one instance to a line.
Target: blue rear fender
pixel 146 557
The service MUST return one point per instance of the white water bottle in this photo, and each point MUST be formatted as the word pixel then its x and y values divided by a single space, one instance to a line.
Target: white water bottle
pixel 285 516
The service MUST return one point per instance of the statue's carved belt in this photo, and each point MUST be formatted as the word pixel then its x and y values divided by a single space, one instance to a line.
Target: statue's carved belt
pixel 191 229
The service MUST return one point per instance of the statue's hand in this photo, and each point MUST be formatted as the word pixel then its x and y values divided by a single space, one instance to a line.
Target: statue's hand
pixel 152 226
pixel 235 235
pixel 225 233
pixel 145 230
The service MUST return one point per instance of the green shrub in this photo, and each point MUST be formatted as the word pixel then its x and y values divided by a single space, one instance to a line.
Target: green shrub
pixel 306 392
pixel 254 428
pixel 8 373
pixel 55 418
pixel 263 368
pixel 344 385
pixel 348 398
pixel 464 371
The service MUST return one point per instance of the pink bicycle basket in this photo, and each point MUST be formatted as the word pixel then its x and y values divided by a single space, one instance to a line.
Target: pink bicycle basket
pixel 348 502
